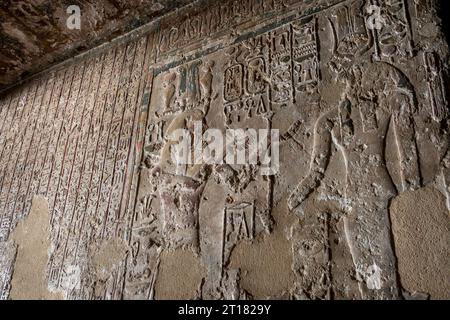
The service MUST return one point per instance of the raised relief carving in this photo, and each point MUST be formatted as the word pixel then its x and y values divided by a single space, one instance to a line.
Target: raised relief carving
pixel 97 139
pixel 183 29
pixel 238 225
pixel 305 56
pixel 5 225
pixel 393 39
pixel 281 66
pixel 206 80
pixel 155 139
pixel 180 198
pixel 8 252
pixel 444 177
pixel 142 268
pixel 177 187
pixel 349 33
pixel 246 88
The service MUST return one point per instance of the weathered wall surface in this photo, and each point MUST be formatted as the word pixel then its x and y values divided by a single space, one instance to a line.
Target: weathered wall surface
pixel 71 137
pixel 363 118
pixel 34 33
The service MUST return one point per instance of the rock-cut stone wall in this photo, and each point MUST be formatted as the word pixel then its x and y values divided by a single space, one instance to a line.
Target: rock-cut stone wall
pixel 92 205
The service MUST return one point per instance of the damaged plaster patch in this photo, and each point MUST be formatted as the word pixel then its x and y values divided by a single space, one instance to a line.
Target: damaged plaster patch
pixel 421 228
pixel 32 239
pixel 8 251
pixel 373 277
pixel 266 264
pixel 180 275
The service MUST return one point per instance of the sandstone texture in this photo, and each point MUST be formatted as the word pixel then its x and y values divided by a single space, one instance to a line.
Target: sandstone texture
pixel 93 206
pixel 34 33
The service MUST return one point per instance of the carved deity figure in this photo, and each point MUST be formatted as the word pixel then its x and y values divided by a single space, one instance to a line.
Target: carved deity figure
pixel 373 129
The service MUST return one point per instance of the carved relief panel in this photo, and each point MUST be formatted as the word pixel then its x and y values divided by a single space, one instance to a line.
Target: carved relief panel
pixel 157 148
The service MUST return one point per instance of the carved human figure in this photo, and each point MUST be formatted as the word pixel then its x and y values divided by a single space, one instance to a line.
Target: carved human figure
pixel 373 122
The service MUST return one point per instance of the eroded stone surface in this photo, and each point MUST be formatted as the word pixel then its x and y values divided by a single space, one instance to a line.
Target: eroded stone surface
pixel 34 33
pixel 174 282
pixel 363 118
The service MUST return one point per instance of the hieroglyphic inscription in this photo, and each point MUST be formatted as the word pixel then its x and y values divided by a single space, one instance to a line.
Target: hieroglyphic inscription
pixel 436 86
pixel 394 39
pixel 239 224
pixel 8 253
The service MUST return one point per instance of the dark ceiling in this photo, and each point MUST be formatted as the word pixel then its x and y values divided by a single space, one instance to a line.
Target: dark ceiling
pixel 34 33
